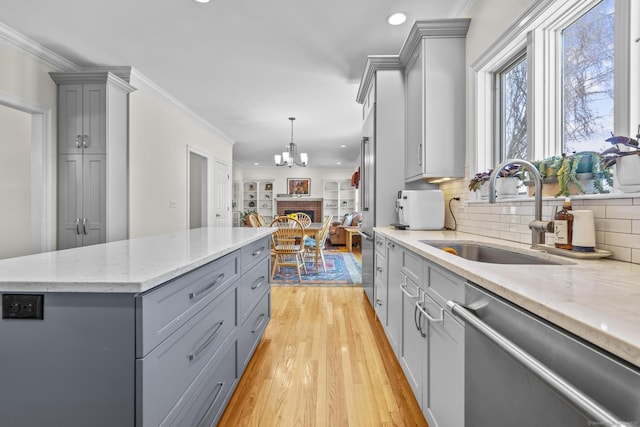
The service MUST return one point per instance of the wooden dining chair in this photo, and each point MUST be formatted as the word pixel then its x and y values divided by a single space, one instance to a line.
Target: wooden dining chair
pixel 287 244
pixel 315 247
pixel 303 219
pixel 261 221
pixel 253 221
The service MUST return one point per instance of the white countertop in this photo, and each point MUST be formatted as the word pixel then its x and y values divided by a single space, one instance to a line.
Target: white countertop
pixel 597 300
pixel 126 266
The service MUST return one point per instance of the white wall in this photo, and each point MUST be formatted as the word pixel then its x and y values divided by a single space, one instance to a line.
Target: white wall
pixel 158 137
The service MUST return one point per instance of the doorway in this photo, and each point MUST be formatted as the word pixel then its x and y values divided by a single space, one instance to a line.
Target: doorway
pixel 27 177
pixel 222 206
pixel 198 189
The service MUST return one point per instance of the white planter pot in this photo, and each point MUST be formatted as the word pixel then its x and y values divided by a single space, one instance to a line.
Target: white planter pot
pixel 628 174
pixel 507 187
pixel 483 192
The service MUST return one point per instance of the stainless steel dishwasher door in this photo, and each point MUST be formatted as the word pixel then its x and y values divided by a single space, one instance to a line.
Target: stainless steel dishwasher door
pixel 502 391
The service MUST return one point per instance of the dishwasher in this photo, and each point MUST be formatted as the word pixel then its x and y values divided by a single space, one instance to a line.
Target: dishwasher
pixel 520 370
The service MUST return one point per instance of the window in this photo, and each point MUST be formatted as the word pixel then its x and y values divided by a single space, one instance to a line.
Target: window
pixel 578 59
pixel 587 79
pixel 512 83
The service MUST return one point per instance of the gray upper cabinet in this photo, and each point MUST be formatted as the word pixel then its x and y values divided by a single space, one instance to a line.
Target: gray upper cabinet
pixel 433 57
pixel 92 158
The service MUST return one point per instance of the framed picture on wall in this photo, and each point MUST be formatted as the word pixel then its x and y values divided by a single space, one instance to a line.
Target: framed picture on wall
pixel 299 186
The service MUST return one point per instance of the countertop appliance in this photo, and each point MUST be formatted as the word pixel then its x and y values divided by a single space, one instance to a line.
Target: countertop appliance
pixel 521 370
pixel 420 209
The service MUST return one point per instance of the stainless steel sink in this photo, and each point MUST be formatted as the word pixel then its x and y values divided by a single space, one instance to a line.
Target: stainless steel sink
pixel 491 254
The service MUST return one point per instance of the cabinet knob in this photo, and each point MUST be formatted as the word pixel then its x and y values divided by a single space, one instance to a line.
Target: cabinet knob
pixel 85 138
pixel 78 139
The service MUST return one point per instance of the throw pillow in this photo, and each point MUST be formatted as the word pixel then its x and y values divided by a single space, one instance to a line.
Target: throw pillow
pixel 347 220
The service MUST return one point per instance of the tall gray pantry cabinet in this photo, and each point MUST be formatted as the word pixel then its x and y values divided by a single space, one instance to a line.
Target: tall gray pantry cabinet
pixel 92 158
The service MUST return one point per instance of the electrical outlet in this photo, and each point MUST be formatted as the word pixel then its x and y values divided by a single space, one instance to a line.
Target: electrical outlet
pixel 22 306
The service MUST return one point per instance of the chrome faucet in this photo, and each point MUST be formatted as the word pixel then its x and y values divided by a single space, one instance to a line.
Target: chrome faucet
pixel 538 226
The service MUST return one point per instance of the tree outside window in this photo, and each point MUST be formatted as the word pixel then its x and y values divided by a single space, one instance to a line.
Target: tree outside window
pixel 587 79
pixel 513 110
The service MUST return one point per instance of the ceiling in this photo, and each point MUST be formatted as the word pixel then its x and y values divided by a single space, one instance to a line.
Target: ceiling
pixel 244 66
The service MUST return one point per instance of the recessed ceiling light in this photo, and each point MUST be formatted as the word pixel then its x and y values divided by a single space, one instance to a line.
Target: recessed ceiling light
pixel 202 1
pixel 338 163
pixel 397 18
pixel 256 164
pixel 343 146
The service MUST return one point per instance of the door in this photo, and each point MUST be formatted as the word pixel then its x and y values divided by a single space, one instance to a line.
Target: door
pixel 198 190
pixel 221 196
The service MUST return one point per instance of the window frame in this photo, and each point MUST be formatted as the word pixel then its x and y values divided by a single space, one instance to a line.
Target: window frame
pixel 538 32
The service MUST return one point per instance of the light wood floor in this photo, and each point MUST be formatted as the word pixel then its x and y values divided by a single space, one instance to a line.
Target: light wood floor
pixel 323 361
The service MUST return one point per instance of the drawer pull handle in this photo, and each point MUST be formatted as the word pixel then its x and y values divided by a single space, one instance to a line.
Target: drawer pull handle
pixel 259 322
pixel 258 283
pixel 433 319
pixel 258 252
pixel 205 344
pixel 220 387
pixel 193 295
pixel 403 287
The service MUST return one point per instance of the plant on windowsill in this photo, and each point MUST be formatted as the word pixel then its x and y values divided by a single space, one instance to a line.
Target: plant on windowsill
pixel 625 156
pixel 479 181
pixel 571 174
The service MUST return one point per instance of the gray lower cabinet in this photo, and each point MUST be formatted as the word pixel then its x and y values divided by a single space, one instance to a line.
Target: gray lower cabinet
pixel 395 278
pixel 431 344
pixel 171 356
pixel 380 281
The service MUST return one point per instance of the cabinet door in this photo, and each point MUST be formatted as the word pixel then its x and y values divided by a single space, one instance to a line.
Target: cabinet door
pixel 414 119
pixel 446 370
pixel 394 296
pixel 413 345
pixel 94 199
pixel 94 122
pixel 70 119
pixel 69 201
pixel 380 292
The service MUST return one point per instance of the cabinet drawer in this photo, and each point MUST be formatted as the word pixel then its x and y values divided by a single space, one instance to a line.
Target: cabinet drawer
pixel 443 286
pixel 252 331
pixel 381 244
pixel 412 266
pixel 251 287
pixel 164 374
pixel 254 252
pixel 206 398
pixel 161 311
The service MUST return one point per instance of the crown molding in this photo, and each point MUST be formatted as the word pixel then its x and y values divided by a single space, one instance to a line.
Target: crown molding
pixel 93 76
pixel 38 51
pixel 375 63
pixel 139 80
pixel 437 28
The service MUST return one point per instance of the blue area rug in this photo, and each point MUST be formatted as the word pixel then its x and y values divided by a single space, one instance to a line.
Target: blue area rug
pixel 342 270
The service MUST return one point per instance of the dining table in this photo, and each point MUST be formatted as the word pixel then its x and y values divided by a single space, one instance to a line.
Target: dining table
pixel 312 230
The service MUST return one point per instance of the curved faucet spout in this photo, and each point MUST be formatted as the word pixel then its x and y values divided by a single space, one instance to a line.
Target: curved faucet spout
pixel 537 231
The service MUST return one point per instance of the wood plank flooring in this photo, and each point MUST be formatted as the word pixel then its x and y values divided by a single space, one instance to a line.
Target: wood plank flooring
pixel 323 361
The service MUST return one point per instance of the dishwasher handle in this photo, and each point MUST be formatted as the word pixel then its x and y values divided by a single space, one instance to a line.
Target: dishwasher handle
pixel 553 380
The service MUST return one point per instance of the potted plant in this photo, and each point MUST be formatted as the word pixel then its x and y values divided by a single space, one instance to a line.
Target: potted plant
pixel 477 184
pixel 506 185
pixel 625 155
pixel 571 174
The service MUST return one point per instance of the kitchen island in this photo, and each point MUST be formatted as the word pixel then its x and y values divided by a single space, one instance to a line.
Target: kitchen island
pixel 142 332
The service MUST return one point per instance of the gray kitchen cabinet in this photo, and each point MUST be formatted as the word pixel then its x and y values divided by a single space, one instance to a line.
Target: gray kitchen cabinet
pixel 380 291
pixel 81 200
pixel 395 279
pixel 92 124
pixel 430 340
pixel 433 57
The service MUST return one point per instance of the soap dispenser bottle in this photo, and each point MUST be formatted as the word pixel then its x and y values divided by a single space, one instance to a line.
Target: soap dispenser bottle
pixel 563 226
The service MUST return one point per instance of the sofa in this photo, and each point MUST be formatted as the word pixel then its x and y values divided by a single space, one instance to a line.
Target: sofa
pixel 337 235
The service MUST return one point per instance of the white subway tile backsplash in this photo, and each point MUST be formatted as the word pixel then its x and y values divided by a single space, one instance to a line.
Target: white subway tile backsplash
pixel 617 219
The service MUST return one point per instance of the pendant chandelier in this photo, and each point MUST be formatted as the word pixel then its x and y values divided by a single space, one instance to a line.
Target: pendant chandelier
pixel 290 157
